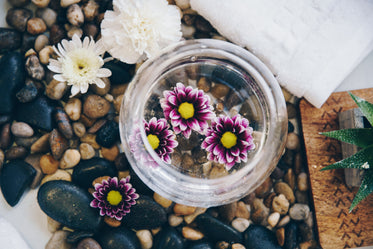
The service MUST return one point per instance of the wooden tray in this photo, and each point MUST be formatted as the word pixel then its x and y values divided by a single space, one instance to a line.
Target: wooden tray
pixel 337 228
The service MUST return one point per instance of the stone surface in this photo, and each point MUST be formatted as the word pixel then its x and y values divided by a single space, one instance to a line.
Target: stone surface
pixel 33 160
pixel 88 170
pixel 291 236
pixel 200 245
pixel 88 243
pixel 108 135
pixel 146 239
pixel 58 241
pixel 240 224
pixel 285 189
pixel 68 204
pixel 21 129
pixel 10 39
pixel 118 238
pixel 15 177
pixel 120 72
pixel 57 143
pixel 259 237
pixel 95 106
pixel 299 211
pixel 146 214
pixel 63 123
pixel 17 18
pixel 168 238
pixel 28 92
pixel 12 78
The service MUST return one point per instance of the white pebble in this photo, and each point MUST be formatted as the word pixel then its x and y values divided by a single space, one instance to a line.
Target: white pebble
pixel 183 4
pixel 146 239
pixel 240 224
pixel 75 15
pixel 40 3
pixel 86 151
pixel 65 3
pixel 73 108
pixel 70 158
pixel 45 54
pixel 273 219
pixel 174 220
pixel 21 129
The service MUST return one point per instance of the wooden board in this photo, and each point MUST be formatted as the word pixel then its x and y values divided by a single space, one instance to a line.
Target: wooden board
pixel 332 198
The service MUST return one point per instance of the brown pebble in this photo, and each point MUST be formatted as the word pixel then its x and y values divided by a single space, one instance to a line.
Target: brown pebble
pixel 95 106
pixel 164 202
pixel 228 212
pixel 58 144
pixel 289 178
pixel 263 190
pixel 191 233
pixel 280 235
pixel 88 243
pixel 2 158
pixel 292 141
pixel 117 90
pixel 97 125
pixel 292 111
pixel 16 152
pixel 180 209
pixel 58 175
pixel 34 160
pixel 118 102
pixel 267 201
pixel 204 84
pixel 302 182
pixel 88 122
pixel 242 211
pixel 217 172
pixel 238 246
pixel 99 180
pixel 222 245
pixel 90 10
pixel 5 137
pixel 285 189
pixel 203 25
pixel 17 18
pixel 75 15
pixel 48 164
pixel 112 221
pixel 110 153
pixel 280 204
pixel 187 161
pixel 21 129
pixel 79 129
pixel 55 89
pixel 40 3
pixel 33 67
pixel 86 151
pixel 284 221
pixel 91 140
pixel 259 212
pixel 298 163
pixel 56 34
pixel 41 145
pixel 73 108
pixel 90 29
pixel 63 123
pixel 248 199
pixel 121 162
pixel 36 26
pixel 220 90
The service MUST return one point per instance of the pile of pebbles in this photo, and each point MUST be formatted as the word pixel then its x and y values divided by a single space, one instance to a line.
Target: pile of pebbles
pixel 46 136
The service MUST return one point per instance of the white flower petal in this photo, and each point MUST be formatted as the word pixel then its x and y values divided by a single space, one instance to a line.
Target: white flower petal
pixel 74 90
pixel 59 77
pixel 100 83
pixel 84 87
pixel 103 73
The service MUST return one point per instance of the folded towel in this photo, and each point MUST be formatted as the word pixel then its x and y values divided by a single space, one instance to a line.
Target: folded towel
pixel 9 236
pixel 310 46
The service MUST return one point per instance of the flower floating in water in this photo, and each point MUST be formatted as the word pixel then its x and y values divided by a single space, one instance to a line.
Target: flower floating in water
pixel 140 28
pixel 187 108
pixel 161 139
pixel 114 198
pixel 79 64
pixel 228 140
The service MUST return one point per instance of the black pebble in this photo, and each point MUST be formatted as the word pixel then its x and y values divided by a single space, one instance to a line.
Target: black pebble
pixel 291 236
pixel 10 39
pixel 259 237
pixel 168 238
pixel 290 127
pixel 121 73
pixel 15 177
pixel 118 238
pixel 108 135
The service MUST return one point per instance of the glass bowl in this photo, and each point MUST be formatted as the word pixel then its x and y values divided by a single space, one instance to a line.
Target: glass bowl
pixel 237 83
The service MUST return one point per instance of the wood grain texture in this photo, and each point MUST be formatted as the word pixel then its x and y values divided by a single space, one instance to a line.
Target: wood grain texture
pixel 332 198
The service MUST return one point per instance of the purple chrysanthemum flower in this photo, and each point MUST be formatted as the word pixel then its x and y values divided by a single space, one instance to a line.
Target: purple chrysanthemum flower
pixel 160 137
pixel 228 140
pixel 114 198
pixel 187 108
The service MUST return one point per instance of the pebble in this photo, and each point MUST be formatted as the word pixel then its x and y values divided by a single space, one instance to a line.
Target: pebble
pixel 56 34
pixel 41 145
pixel 305 231
pixel 70 158
pixel 112 221
pixel 90 29
pixel 259 212
pixel 90 10
pixel 277 173
pixel 56 198
pixel 95 106
pixel 188 31
pixel 191 233
pixel 164 202
pixel 204 84
pixel 19 3
pixel 56 89
pixel 299 211
pixel 45 54
pixel 86 151
pixel 240 224
pixel 228 211
pixel 292 141
pixel 118 102
pixel 264 189
pixel 5 136
pixel 34 160
pixel 65 3
pixel 219 90
pixel 26 141
pixel 267 201
pixel 298 163
pixel 168 238
pixel 280 204
pixel 110 153
pixel 63 123
pixel 190 218
pixel 10 39
pixel 202 25
pixel 58 144
pixel 75 236
pixel 16 152
pixel 41 3
pixel 273 219
pixel 201 245
pixel 285 220
pixel 73 30
pixel 301 197
pixel 108 135
pixel 302 182
pixel 79 129
pixel 180 209
pixel 73 108
pixel 174 220
pixel 187 162
pixel 291 231
pixel 183 4
pixel 34 69
pixel 48 164
pixel 88 243
pixel 259 237
pixel 280 235
pixel 53 225
pixel 36 26
pixel 222 245
pixel 238 246
pixel 15 177
pixel 2 158
pixel 88 170
pixel 242 210
pixel 48 15
pixel 40 42
pixel 292 111
pixel 21 129
pixel 18 17
pixel 118 238
pixel 58 241
pixel 28 92
pixel 12 77
pixel 146 239
pixel 90 139
pixel 75 15
pixel 58 175
pixel 217 230
pixel 285 189
pixel 97 126
pixel 289 178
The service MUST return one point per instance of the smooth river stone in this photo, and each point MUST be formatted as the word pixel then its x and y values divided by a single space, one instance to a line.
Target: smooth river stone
pixel 146 214
pixel 12 78
pixel 200 245
pixel 168 238
pixel 120 72
pixel 15 177
pixel 68 204
pixel 216 230
pixel 10 39
pixel 259 237
pixel 118 238
pixel 37 113
pixel 88 170
pixel 108 135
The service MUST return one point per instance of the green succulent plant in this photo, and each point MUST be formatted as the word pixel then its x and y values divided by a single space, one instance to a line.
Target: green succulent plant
pixel 363 159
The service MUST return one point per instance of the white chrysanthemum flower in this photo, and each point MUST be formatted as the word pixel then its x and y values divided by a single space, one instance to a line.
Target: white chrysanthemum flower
pixel 79 64
pixel 137 29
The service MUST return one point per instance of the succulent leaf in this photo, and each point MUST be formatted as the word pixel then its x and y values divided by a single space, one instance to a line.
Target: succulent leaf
pixel 365 107
pixel 356 161
pixel 361 137
pixel 365 189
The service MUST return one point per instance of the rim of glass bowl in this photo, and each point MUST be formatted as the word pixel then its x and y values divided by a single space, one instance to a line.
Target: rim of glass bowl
pixel 185 189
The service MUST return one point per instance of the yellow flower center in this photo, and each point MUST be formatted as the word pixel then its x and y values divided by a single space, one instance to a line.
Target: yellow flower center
pixel 186 110
pixel 153 140
pixel 114 197
pixel 228 139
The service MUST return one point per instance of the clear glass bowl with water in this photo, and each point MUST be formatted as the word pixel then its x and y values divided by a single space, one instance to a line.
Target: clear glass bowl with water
pixel 237 83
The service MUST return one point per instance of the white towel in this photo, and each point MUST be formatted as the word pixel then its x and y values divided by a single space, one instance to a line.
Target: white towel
pixel 310 45
pixel 9 236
